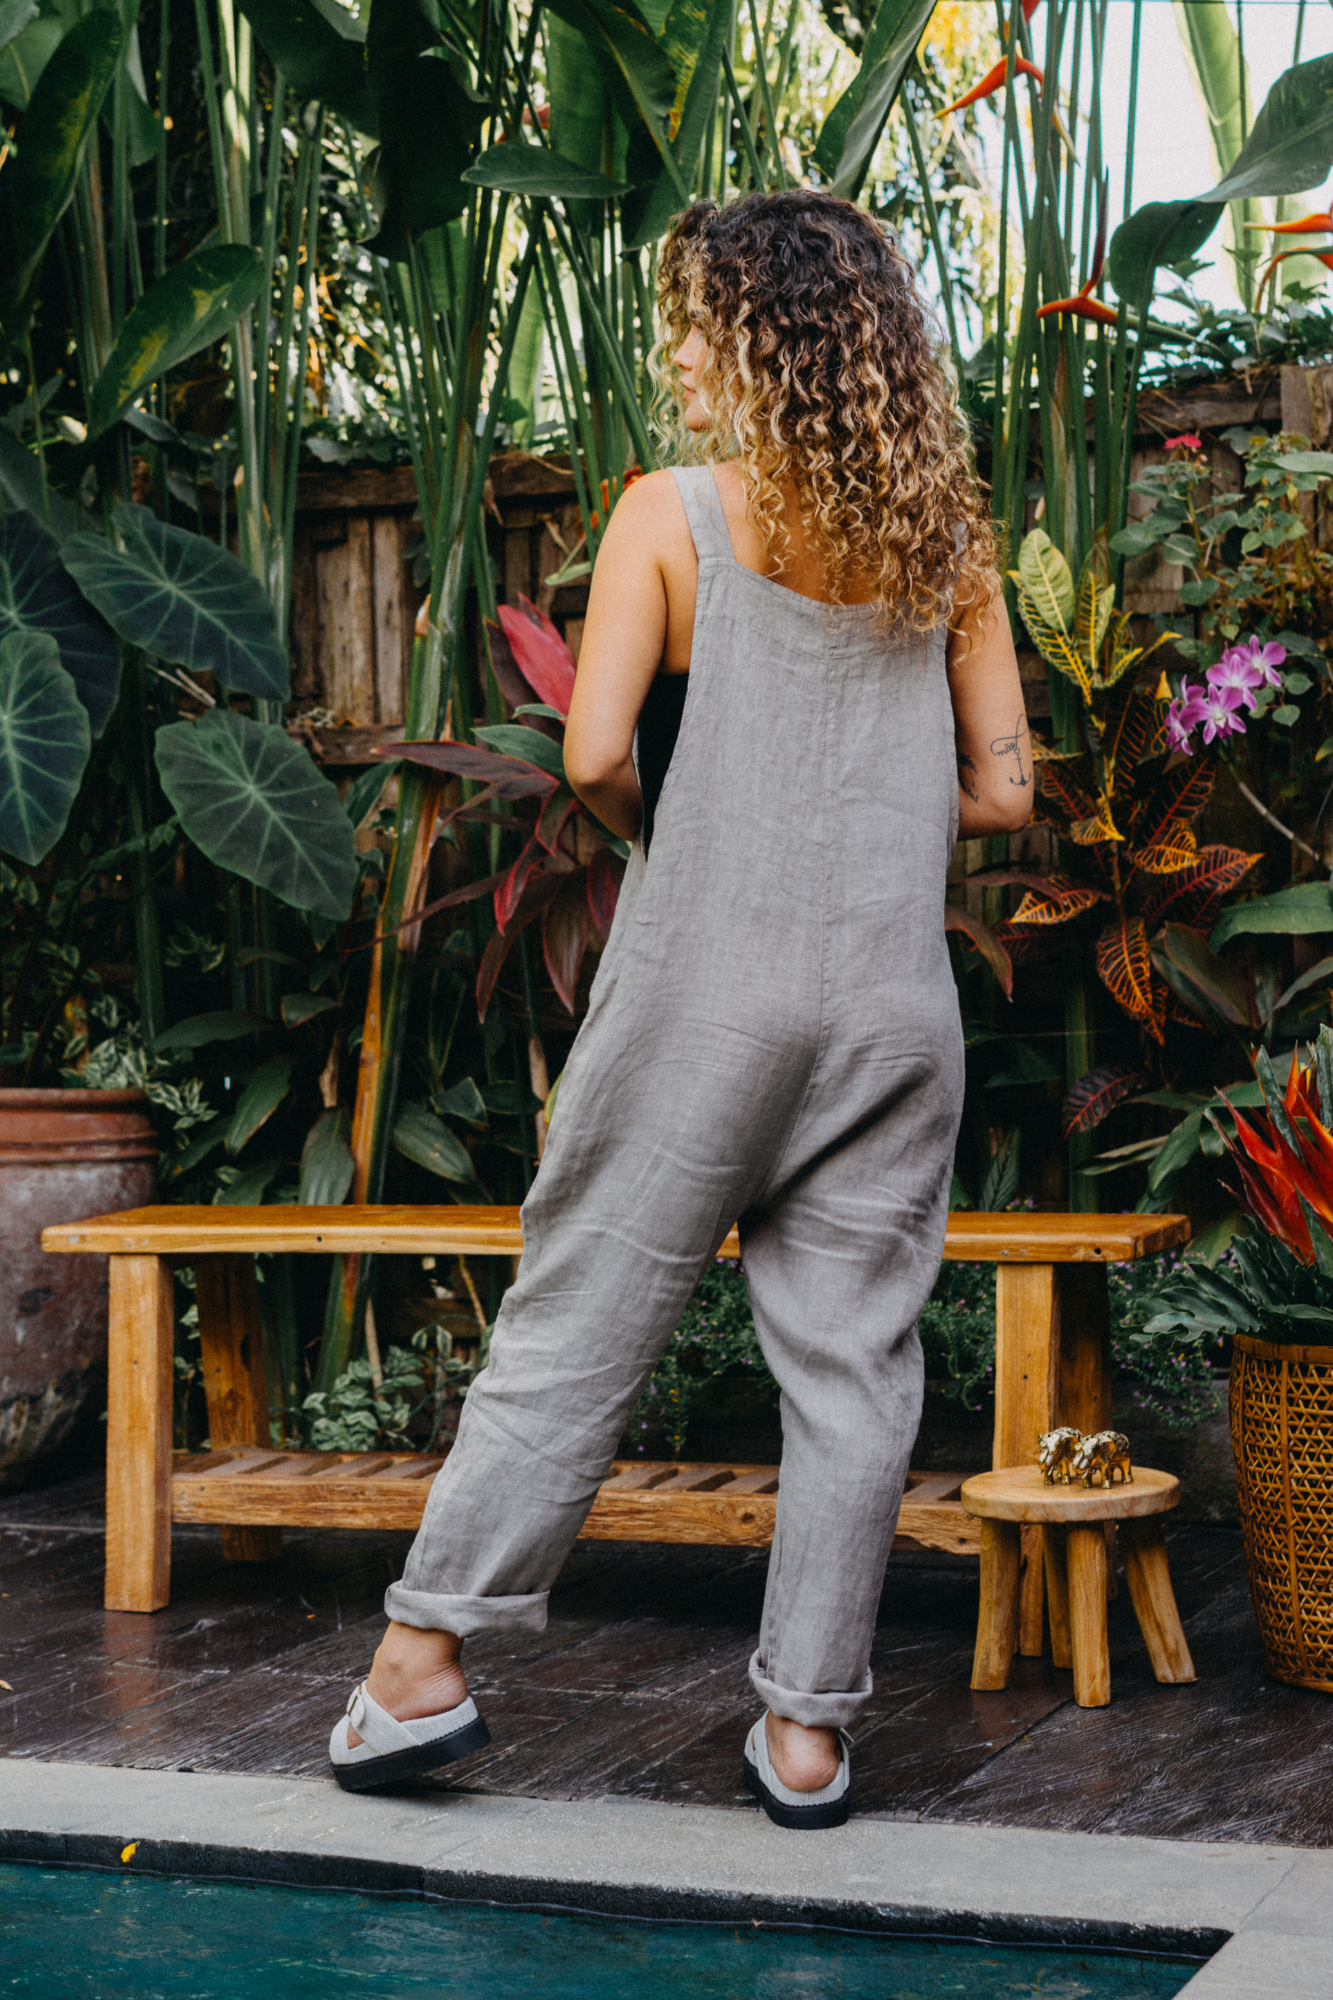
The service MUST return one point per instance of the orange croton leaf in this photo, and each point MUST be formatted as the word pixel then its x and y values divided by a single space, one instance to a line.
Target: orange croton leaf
pixel 1056 908
pixel 1178 850
pixel 1175 800
pixel 1124 966
pixel 1194 892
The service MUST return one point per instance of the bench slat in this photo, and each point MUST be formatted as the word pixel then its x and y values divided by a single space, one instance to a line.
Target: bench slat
pixel 188 1232
pixel 726 1505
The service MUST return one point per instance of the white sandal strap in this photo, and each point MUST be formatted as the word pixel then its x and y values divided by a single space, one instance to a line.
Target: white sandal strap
pixel 374 1725
pixel 756 1749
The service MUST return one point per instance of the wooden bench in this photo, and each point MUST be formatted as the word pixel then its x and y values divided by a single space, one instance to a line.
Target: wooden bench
pixel 1052 1361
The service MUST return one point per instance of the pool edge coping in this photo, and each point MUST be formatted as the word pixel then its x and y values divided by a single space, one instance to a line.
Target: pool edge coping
pixel 1251 1906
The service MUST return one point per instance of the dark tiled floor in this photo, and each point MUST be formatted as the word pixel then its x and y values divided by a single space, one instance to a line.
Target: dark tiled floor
pixel 638 1686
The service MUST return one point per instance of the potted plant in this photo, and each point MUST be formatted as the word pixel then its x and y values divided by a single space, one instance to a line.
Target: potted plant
pixel 1274 1298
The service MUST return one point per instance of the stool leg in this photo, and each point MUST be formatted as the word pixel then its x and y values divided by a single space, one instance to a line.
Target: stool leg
pixel 1143 1548
pixel 1057 1594
pixel 1086 1548
pixel 997 1624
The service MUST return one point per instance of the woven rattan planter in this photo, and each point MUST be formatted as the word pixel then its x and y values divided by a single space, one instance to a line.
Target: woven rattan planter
pixel 1282 1435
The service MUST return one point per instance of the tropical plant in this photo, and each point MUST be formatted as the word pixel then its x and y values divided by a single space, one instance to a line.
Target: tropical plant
pixel 1281 1277
pixel 1116 801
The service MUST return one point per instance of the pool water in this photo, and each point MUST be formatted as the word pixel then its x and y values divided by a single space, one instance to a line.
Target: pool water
pixel 71 1934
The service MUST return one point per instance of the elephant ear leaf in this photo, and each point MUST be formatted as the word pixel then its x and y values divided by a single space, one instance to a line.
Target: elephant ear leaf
pixel 52 135
pixel 182 598
pixel 256 803
pixel 44 744
pixel 189 308
pixel 36 595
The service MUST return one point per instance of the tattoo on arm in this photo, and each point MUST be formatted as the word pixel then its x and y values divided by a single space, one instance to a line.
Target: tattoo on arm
pixel 969 784
pixel 1012 746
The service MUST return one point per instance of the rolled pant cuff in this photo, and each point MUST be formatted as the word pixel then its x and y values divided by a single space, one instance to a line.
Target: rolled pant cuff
pixel 815 1711
pixel 431 1612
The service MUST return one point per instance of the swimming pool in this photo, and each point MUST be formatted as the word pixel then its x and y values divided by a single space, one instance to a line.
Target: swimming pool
pixel 73 1934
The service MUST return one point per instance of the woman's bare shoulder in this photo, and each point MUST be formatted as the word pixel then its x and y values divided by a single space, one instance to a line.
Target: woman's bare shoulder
pixel 650 518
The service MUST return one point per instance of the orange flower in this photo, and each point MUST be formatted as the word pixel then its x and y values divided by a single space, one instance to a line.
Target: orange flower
pixel 992 81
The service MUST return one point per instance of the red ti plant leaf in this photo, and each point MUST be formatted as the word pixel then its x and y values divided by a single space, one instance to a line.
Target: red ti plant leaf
pixel 1192 896
pixel 986 942
pixel 515 881
pixel 543 657
pixel 508 674
pixel 553 816
pixel 606 871
pixel 565 936
pixel 538 893
pixel 509 777
pixel 1096 1095
pixel 1124 966
pixel 1177 798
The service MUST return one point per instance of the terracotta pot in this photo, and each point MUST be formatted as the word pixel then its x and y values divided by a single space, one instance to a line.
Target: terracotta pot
pixel 64 1155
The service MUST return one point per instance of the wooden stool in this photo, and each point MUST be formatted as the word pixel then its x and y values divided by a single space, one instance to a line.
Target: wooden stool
pixel 1072 1521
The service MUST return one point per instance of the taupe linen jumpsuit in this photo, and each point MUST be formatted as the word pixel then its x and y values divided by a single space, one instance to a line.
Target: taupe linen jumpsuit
pixel 773 1035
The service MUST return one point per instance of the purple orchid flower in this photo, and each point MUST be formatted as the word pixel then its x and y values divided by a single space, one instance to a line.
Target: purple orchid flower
pixel 1265 659
pixel 1186 712
pixel 1220 717
pixel 1236 673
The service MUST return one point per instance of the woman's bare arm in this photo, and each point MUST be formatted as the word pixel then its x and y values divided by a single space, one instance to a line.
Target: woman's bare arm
pixel 995 775
pixel 624 638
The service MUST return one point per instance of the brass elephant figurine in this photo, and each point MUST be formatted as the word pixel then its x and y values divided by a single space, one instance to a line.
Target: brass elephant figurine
pixel 1099 1456
pixel 1055 1452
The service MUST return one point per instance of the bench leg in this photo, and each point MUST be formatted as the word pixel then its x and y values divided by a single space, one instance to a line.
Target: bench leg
pixel 1086 1548
pixel 1057 1594
pixel 138 1435
pixel 997 1621
pixel 231 1346
pixel 1143 1549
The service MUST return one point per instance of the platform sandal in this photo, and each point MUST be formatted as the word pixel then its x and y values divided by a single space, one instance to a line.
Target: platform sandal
pixel 829 1806
pixel 390 1751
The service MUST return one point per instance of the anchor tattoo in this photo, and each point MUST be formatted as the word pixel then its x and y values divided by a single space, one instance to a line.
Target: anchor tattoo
pixel 1012 746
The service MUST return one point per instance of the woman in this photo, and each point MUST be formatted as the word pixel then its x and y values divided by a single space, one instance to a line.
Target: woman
pixel 774 1028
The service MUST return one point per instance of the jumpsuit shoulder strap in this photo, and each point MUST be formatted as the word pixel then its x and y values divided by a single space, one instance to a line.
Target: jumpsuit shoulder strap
pixel 703 511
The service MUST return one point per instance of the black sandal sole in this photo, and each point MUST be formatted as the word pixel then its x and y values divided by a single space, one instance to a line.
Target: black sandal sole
pixel 834 1812
pixel 397 1765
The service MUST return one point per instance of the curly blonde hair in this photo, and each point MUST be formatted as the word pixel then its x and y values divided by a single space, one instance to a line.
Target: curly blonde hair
pixel 827 370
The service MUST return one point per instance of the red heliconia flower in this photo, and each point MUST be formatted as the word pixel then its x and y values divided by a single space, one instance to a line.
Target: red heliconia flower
pixel 1275 1176
pixel 992 81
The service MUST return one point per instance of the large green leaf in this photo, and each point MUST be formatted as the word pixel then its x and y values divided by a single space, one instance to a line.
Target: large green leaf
pixel 1221 80
pixel 25 57
pixel 1161 232
pixel 14 17
pixel 180 596
pixel 191 306
pixel 1304 910
pixel 852 129
pixel 429 125
pixel 1291 146
pixel 21 486
pixel 636 67
pixel 320 52
pixel 44 744
pixel 327 1165
pixel 37 185
pixel 256 802
pixel 36 595
pixel 203 1029
pixel 538 170
pixel 259 1100
pixel 693 38
pixel 419 1135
